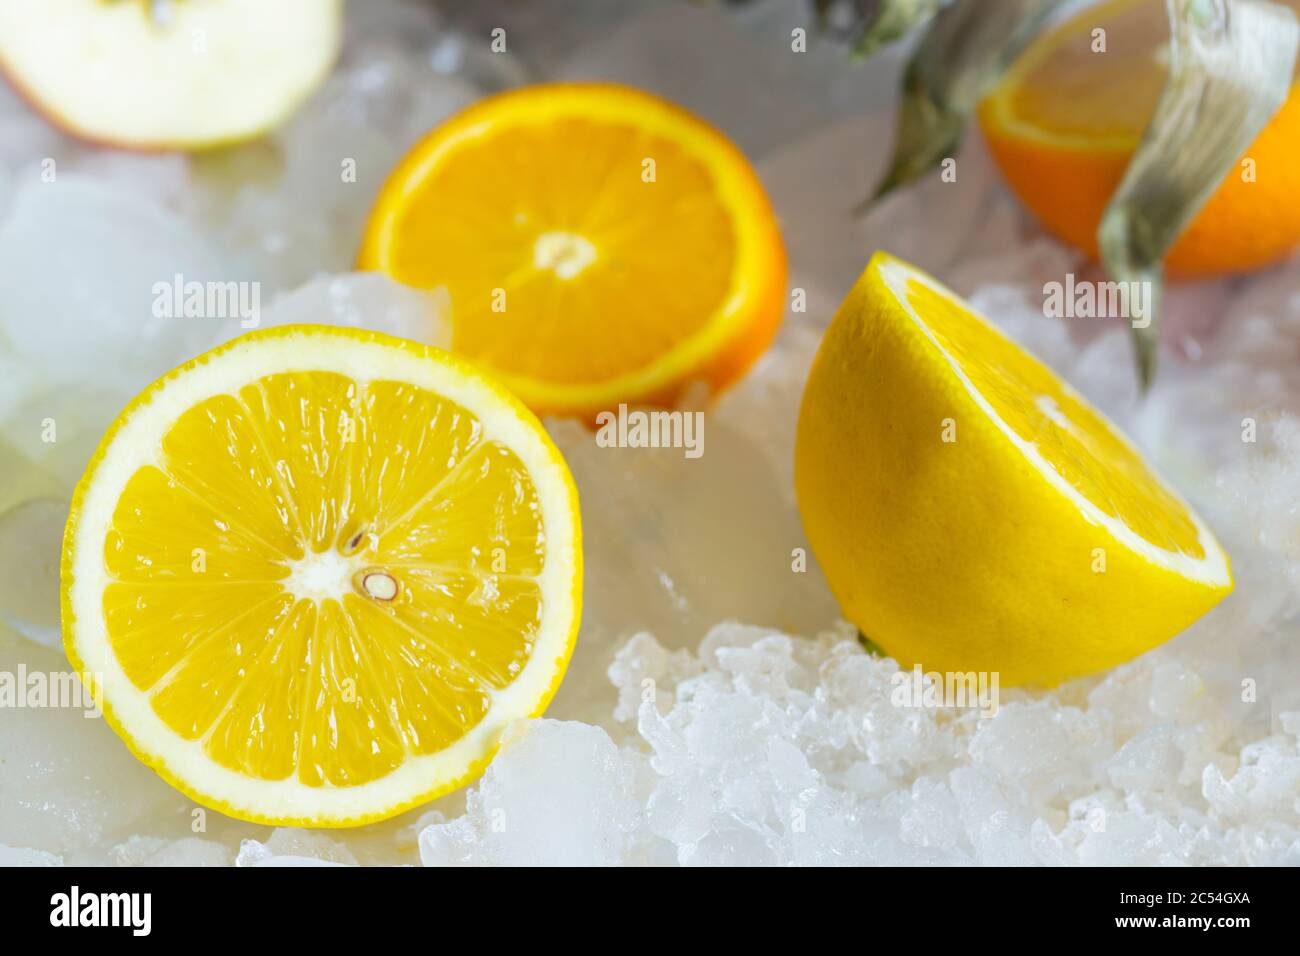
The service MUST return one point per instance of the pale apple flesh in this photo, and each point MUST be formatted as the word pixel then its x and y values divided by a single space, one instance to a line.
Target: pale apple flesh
pixel 209 72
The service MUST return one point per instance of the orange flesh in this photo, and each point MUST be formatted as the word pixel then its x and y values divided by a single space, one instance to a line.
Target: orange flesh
pixel 599 245
pixel 670 241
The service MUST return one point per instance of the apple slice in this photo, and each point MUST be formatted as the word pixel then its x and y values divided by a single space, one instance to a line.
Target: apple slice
pixel 160 74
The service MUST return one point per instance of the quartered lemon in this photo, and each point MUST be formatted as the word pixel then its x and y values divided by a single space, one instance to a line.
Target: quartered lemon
pixel 313 573
pixel 600 245
pixel 971 511
pixel 1067 117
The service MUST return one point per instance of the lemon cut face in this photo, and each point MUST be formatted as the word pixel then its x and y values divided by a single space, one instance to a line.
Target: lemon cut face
pixel 315 572
pixel 1075 450
pixel 971 510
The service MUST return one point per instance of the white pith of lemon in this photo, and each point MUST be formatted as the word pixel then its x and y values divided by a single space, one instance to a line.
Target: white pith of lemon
pixel 1211 569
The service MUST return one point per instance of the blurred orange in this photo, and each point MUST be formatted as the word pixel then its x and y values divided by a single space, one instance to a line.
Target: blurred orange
pixel 1065 120
pixel 600 245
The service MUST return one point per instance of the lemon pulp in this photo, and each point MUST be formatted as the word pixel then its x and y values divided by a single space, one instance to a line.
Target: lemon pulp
pixel 1078 445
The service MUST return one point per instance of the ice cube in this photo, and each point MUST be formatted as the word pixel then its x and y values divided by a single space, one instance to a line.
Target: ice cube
pixel 20 856
pixel 304 209
pixel 683 543
pixel 187 851
pixel 288 846
pixel 558 794
pixel 80 300
pixel 70 786
pixel 1149 761
pixel 31 539
pixel 366 300
pixel 1041 748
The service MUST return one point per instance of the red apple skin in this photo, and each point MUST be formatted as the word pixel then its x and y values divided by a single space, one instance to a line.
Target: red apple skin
pixel 31 101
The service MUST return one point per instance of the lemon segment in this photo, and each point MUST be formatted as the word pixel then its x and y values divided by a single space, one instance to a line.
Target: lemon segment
pixel 971 510
pixel 318 571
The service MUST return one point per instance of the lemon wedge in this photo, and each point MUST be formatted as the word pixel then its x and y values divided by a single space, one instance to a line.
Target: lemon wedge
pixel 971 510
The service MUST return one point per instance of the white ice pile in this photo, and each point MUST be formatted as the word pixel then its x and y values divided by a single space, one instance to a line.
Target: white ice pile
pixel 764 749
pixel 678 737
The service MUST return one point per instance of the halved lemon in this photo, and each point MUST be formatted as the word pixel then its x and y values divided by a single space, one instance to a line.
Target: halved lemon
pixel 313 573
pixel 972 511
pixel 600 245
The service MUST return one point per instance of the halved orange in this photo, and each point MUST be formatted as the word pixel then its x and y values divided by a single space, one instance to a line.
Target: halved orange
pixel 1065 120
pixel 600 244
